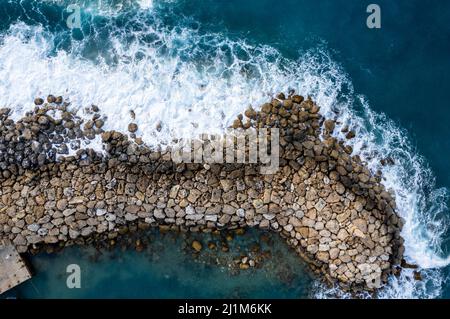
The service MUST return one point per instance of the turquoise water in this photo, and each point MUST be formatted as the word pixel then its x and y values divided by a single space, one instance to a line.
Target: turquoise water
pixel 168 267
pixel 391 84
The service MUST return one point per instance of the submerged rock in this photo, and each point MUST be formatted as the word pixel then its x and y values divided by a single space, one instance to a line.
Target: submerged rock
pixel 197 246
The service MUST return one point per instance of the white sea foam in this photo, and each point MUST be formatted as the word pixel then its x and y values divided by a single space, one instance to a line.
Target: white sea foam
pixel 146 4
pixel 193 83
pixel 110 8
pixel 418 201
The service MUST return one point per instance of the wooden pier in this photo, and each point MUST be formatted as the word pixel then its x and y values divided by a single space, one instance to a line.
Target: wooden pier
pixel 13 270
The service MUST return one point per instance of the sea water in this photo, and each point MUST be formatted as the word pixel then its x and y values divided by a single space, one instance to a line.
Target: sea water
pixel 168 267
pixel 191 66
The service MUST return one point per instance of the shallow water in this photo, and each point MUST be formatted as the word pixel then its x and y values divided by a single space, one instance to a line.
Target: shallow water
pixel 193 65
pixel 168 267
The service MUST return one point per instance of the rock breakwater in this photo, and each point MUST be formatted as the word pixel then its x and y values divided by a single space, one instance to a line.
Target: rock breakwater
pixel 323 200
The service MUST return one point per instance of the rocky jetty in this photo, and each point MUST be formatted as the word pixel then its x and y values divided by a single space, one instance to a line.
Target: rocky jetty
pixel 323 200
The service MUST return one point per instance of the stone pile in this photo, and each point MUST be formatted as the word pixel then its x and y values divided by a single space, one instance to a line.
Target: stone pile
pixel 43 135
pixel 323 200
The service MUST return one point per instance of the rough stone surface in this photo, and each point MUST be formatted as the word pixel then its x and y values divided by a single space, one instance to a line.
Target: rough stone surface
pixel 322 200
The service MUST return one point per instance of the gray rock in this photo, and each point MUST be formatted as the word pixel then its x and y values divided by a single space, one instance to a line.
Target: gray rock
pixel 33 227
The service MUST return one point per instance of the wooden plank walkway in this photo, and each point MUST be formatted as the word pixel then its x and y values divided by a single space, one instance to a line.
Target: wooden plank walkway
pixel 13 270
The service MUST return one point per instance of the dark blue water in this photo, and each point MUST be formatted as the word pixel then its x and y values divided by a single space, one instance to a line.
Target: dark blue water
pixel 402 70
